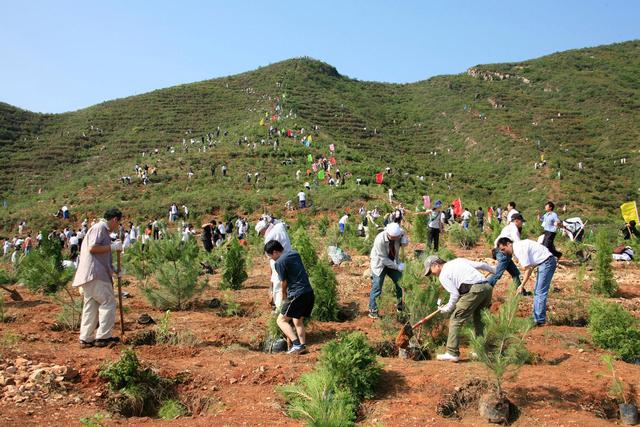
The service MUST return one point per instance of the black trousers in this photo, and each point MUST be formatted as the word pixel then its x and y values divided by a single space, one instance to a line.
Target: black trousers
pixel 433 239
pixel 549 237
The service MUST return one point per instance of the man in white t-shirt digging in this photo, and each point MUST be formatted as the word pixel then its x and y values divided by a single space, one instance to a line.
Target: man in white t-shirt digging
pixel 505 262
pixel 531 255
pixel 469 294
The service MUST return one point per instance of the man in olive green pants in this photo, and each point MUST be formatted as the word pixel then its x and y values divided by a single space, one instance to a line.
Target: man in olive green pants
pixel 469 294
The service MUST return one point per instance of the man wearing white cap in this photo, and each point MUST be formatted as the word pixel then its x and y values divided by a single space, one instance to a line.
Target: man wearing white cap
pixel 469 294
pixel 385 262
pixel 278 232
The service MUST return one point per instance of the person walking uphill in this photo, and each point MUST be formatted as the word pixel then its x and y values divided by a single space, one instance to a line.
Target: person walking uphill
pixel 278 232
pixel 385 262
pixel 94 279
pixel 469 294
pixel 531 255
pixel 436 225
pixel 296 294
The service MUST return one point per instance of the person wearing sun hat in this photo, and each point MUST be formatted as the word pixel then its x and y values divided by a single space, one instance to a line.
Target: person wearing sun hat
pixel 469 294
pixel 384 259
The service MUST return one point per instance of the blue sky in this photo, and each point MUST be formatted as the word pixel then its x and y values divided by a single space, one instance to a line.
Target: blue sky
pixel 64 55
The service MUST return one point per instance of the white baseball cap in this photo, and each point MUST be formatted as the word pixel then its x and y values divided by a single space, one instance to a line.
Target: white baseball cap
pixel 393 229
pixel 261 225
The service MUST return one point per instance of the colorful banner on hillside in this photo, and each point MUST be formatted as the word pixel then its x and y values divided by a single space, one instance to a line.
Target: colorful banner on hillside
pixel 630 212
pixel 457 207
pixel 379 177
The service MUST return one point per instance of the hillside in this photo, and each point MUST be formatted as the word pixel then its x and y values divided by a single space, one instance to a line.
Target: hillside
pixel 487 127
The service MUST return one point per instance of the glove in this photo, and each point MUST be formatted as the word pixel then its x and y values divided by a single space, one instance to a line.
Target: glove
pixel 116 246
pixel 404 240
pixel 443 309
pixel 401 266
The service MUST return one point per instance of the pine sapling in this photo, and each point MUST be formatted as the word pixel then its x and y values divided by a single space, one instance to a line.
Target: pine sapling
pixel 502 348
pixel 234 270
pixel 324 283
pixel 604 283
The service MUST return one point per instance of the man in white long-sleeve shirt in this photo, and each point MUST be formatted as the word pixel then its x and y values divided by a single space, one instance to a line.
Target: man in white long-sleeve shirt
pixel 385 262
pixel 469 294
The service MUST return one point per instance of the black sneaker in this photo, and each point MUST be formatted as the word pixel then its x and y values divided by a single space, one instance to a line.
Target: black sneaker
pixel 374 315
pixel 399 307
pixel 106 341
pixel 85 344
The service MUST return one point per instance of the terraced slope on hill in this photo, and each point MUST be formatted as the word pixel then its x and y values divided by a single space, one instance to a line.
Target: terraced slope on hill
pixel 487 127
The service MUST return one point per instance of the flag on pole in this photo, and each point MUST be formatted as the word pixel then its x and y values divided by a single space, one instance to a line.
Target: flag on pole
pixel 379 177
pixel 321 174
pixel 426 202
pixel 629 212
pixel 457 207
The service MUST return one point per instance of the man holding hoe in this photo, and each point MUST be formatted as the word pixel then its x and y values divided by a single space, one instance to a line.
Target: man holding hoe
pixel 469 293
pixel 96 284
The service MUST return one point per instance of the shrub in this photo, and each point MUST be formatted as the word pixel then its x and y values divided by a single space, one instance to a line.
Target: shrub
pixel 171 261
pixel 614 328
pixel 352 363
pixel 465 238
pixel 172 409
pixel 324 283
pixel 234 271
pixel 420 228
pixel 502 349
pixel 316 399
pixel 347 371
pixel 134 390
pixel 617 386
pixel 42 271
pixel 323 226
pixel 302 243
pixel 165 333
pixel 604 283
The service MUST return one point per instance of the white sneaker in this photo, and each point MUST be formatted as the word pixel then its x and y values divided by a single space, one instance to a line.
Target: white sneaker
pixel 446 357
pixel 473 355
pixel 297 349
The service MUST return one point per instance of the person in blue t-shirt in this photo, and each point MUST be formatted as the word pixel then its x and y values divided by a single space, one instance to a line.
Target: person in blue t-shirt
pixel 550 223
pixel 297 294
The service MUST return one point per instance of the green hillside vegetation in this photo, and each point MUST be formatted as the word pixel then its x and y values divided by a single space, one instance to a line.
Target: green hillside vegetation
pixel 487 127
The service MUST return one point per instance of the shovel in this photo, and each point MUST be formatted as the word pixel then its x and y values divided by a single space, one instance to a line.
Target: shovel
pixel 13 294
pixel 405 334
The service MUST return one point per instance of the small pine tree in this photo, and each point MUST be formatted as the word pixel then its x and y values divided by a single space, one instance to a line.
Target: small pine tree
pixel 502 348
pixel 42 271
pixel 324 283
pixel 604 283
pixel 171 262
pixel 234 271
pixel 323 226
pixel 420 228
pixel 302 243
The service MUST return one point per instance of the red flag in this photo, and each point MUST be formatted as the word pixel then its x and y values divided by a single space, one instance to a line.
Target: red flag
pixel 332 160
pixel 379 177
pixel 457 207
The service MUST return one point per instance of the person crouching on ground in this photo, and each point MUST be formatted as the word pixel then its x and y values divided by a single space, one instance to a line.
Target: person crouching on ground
pixel 297 294
pixel 385 261
pixel 469 293
pixel 94 277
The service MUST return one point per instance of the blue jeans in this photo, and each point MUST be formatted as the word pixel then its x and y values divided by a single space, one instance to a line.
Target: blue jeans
pixel 341 228
pixel 376 286
pixel 465 224
pixel 505 262
pixel 540 292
